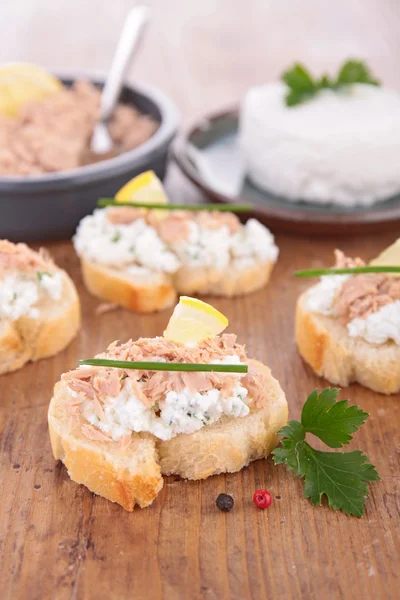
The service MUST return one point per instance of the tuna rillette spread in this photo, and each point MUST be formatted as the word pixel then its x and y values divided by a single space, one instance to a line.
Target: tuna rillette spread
pixel 114 403
pixel 339 146
pixel 367 304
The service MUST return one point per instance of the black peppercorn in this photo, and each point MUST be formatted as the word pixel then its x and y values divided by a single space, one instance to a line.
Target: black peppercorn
pixel 225 502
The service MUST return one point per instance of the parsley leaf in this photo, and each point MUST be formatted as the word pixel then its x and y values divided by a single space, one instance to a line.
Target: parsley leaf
pixel 329 420
pixel 340 476
pixel 354 71
pixel 299 79
pixel 302 86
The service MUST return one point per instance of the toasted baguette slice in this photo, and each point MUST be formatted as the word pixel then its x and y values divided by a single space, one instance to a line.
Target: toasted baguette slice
pixel 140 294
pixel 326 346
pixel 228 282
pixel 28 339
pixel 134 475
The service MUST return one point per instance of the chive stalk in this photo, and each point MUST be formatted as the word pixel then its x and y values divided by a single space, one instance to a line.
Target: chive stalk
pixel 346 271
pixel 102 202
pixel 163 366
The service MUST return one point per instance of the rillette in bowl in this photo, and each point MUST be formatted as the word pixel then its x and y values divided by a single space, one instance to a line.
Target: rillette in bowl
pixel 50 205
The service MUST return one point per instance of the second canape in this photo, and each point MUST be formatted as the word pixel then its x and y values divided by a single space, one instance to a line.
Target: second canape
pixel 141 258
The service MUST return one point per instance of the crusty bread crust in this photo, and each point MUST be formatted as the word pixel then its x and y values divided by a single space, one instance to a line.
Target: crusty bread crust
pixel 134 293
pixel 127 476
pixel 157 292
pixel 325 345
pixel 228 282
pixel 134 475
pixel 28 339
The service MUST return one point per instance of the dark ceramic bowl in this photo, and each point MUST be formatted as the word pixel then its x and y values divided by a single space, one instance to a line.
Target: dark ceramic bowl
pixel 49 206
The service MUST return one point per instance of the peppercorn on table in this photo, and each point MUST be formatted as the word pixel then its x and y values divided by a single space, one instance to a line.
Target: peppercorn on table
pixel 57 540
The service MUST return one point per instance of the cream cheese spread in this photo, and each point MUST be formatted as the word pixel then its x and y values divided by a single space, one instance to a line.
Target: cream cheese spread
pixel 20 294
pixel 123 245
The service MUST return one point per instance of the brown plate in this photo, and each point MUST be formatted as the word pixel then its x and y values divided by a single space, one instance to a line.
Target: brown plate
pixel 210 157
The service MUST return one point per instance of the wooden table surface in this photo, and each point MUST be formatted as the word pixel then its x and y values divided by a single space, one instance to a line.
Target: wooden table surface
pixel 57 540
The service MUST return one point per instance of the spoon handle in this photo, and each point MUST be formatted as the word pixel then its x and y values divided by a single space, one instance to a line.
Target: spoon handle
pixel 128 42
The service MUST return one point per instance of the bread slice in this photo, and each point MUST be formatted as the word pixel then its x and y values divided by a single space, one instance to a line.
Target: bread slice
pixel 159 291
pixel 326 346
pixel 27 339
pixel 134 475
pixel 228 282
pixel 136 293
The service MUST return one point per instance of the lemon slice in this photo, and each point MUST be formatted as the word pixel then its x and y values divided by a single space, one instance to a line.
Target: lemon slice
pixel 389 257
pixel 21 83
pixel 146 188
pixel 193 321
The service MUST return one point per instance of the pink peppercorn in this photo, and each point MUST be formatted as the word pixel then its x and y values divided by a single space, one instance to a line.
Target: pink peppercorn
pixel 262 498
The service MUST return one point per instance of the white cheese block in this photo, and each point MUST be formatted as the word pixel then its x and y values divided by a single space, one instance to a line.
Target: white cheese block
pixel 339 147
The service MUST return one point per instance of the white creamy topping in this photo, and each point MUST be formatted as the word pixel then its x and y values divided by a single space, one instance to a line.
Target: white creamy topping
pixel 377 328
pixel 321 297
pixel 177 413
pixel 19 293
pixel 339 147
pixel 135 244
pixel 52 284
pixel 17 297
pixel 219 248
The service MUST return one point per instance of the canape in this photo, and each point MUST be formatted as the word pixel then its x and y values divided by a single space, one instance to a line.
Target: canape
pixel 39 306
pixel 140 258
pixel 188 403
pixel 348 324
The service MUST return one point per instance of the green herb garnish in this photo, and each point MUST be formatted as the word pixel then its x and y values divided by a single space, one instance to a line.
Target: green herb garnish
pixel 162 366
pixel 41 274
pixel 116 237
pixel 340 476
pixel 192 207
pixel 346 271
pixel 302 86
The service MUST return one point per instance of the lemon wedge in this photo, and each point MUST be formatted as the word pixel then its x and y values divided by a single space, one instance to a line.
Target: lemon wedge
pixel 193 321
pixel 21 83
pixel 389 258
pixel 146 188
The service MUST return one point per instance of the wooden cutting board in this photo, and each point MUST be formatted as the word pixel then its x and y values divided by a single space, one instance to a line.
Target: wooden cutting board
pixel 57 540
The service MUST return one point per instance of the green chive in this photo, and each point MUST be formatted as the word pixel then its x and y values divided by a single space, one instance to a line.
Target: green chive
pixel 346 271
pixel 162 366
pixel 192 207
pixel 41 274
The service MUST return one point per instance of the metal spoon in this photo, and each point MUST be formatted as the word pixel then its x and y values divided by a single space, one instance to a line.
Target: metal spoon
pixel 101 142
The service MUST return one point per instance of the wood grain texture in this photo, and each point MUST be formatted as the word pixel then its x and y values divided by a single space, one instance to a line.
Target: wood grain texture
pixel 59 541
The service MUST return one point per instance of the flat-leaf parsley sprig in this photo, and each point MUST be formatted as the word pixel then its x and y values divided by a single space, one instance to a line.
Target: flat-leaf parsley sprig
pixel 302 86
pixel 340 476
